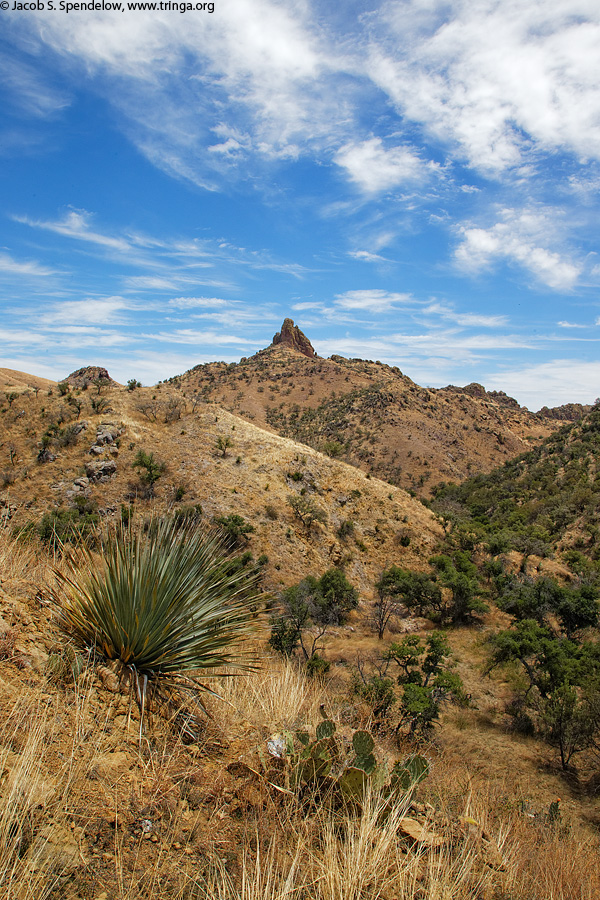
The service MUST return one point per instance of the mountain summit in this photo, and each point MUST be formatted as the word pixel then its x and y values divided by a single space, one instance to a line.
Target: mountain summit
pixel 291 336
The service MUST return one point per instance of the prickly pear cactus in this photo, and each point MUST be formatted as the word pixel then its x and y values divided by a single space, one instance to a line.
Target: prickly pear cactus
pixel 363 745
pixel 408 774
pixel 325 729
pixel 353 783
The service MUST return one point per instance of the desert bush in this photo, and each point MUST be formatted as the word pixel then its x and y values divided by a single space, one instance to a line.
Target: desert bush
pixel 306 510
pixel 318 602
pixel 150 469
pixel 235 529
pixel 63 526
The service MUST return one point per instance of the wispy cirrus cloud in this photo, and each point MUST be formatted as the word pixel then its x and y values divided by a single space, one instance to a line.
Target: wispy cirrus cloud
pixel 27 269
pixel 367 256
pixel 104 310
pixel 76 224
pixel 467 320
pixel 377 301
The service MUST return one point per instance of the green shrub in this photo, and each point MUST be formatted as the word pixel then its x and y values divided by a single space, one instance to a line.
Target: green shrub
pixel 235 528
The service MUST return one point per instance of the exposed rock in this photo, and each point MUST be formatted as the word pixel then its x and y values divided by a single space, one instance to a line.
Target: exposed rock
pixel 474 389
pixel 88 375
pixel 96 450
pixel 569 412
pixel 291 336
pixel 477 390
pixel 57 849
pixel 419 834
pixel 100 471
pixel 105 436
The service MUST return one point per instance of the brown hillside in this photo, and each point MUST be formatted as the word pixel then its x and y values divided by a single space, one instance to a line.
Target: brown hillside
pixel 370 414
pixel 57 455
pixel 13 380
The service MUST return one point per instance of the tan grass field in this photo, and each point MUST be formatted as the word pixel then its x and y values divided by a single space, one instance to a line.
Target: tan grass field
pixel 87 810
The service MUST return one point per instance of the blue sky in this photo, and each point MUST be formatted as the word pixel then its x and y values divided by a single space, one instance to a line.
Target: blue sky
pixel 411 181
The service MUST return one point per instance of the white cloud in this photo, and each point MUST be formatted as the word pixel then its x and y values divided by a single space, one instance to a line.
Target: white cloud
pixel 198 302
pixel 31 269
pixel 367 256
pixel 373 168
pixel 95 310
pixel 467 320
pixel 550 383
pixel 525 237
pixel 376 301
pixel 29 93
pixel 76 224
pixel 497 78
pixel 190 336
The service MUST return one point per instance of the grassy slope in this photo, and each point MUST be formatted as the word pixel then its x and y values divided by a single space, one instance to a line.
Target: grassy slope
pixel 86 809
pixel 385 423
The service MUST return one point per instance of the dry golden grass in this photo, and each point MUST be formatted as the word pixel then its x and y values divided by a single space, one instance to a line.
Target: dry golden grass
pixel 84 808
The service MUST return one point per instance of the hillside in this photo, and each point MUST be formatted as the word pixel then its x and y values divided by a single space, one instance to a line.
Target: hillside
pixel 198 807
pixel 543 502
pixel 371 414
pixel 59 452
pixel 13 381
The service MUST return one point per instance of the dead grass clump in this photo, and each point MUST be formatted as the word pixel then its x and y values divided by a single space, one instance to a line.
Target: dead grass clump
pixel 275 697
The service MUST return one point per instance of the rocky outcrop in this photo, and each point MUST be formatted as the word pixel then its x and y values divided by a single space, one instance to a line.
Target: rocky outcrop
pixel 477 390
pixel 100 471
pixel 570 412
pixel 89 375
pixel 291 336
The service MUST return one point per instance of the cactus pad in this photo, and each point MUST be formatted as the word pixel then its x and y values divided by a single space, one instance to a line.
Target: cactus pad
pixel 353 782
pixel 362 743
pixel 325 729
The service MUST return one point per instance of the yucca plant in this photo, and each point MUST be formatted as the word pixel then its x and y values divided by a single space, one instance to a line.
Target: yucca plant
pixel 163 605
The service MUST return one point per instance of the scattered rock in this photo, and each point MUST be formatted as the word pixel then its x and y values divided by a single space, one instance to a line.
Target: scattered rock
pixel 417 833
pixel 105 436
pixel 100 471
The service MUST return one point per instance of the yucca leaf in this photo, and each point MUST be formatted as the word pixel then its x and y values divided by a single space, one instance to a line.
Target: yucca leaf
pixel 163 603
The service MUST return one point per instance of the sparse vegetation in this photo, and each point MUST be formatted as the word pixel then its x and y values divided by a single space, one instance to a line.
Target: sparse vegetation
pixel 209 790
pixel 150 469
pixel 306 510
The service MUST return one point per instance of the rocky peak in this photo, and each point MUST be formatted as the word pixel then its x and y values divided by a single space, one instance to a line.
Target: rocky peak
pixel 291 336
pixel 88 375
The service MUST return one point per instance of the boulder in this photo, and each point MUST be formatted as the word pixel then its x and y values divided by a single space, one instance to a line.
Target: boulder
pixel 100 471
